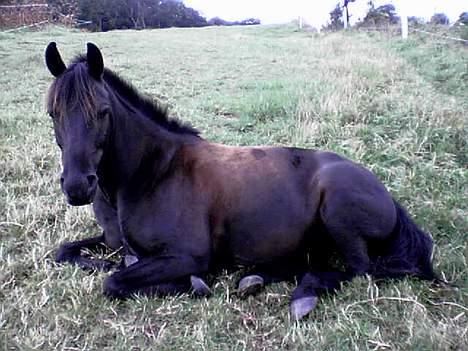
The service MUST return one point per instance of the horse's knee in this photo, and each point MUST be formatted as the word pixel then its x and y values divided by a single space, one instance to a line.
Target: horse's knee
pixel 113 239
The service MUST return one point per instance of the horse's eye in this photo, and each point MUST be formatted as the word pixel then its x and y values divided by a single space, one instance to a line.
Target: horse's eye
pixel 103 113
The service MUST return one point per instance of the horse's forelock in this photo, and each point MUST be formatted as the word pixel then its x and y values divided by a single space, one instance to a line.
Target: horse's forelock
pixel 73 88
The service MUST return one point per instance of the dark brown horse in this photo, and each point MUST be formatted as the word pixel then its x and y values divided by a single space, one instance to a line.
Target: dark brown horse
pixel 183 207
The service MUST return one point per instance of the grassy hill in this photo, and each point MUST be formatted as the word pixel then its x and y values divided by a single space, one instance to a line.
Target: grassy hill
pixel 398 108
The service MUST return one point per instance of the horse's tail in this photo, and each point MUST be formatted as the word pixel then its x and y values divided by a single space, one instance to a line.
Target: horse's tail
pixel 409 251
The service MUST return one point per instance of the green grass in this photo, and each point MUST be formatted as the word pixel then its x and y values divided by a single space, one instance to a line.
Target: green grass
pixel 440 61
pixel 382 103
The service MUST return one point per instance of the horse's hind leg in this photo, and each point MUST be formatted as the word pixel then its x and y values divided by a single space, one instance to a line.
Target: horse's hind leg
pixel 355 208
pixel 260 276
pixel 352 219
pixel 304 297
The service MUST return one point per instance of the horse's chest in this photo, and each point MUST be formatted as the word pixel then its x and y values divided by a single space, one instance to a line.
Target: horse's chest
pixel 158 230
pixel 144 237
pixel 146 228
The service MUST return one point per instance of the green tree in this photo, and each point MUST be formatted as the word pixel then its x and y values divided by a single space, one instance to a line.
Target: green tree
pixel 440 19
pixel 336 19
pixel 138 14
pixel 64 7
pixel 463 19
pixel 416 21
pixel 461 26
pixel 380 16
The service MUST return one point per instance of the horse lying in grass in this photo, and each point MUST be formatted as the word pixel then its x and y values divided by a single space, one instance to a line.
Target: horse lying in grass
pixel 182 207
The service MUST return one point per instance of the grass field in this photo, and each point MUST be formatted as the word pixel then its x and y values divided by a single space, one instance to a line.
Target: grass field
pixel 401 109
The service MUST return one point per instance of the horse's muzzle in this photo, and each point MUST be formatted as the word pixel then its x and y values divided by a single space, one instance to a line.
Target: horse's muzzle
pixel 79 191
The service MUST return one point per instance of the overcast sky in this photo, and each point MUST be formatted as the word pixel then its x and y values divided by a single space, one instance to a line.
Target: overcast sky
pixel 316 12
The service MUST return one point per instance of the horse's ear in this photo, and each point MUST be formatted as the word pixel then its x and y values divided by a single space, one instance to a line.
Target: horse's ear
pixel 95 61
pixel 53 60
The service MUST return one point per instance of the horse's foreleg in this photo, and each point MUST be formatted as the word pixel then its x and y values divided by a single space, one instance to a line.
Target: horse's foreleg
pixel 71 252
pixel 150 273
pixel 186 284
pixel 196 285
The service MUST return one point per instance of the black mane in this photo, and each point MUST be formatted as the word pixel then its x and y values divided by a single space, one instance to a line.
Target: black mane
pixel 150 108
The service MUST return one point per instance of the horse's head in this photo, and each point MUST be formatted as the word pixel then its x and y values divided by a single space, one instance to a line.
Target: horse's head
pixel 79 105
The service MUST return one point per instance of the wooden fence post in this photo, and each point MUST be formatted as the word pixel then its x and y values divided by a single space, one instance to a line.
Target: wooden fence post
pixel 403 19
pixel 345 15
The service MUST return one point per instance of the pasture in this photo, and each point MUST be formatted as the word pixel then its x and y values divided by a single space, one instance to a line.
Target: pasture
pixel 398 108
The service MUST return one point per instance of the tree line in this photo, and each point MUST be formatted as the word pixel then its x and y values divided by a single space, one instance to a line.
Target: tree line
pixel 104 15
pixel 386 15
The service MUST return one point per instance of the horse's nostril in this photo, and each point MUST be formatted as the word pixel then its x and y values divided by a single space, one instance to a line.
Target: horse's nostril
pixel 62 180
pixel 92 179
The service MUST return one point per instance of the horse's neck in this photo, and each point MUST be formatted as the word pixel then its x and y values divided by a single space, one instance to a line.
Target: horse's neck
pixel 139 151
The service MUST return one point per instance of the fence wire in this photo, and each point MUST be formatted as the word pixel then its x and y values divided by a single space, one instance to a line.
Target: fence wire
pixel 438 35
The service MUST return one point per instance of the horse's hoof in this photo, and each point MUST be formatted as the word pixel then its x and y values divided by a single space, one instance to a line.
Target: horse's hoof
pixel 129 260
pixel 250 285
pixel 302 307
pixel 199 287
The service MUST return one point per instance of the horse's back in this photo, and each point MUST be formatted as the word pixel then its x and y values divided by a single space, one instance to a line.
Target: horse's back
pixel 252 178
pixel 264 200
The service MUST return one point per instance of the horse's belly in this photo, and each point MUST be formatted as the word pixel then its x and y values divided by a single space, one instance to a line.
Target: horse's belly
pixel 267 223
pixel 254 240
